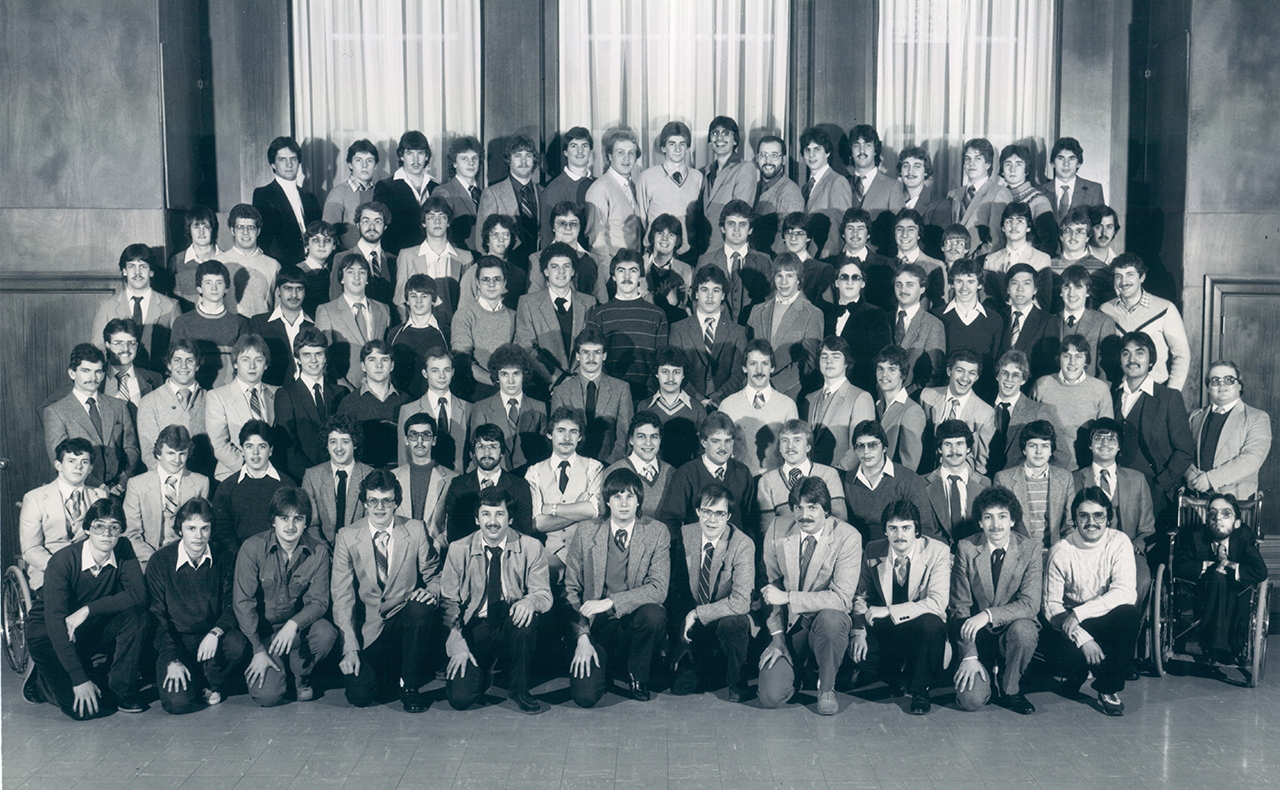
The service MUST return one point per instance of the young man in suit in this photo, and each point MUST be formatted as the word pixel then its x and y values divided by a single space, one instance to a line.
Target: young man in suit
pixel 777 195
pixel 853 316
pixel 1089 600
pixel 371 220
pixel 1104 226
pixel 670 186
pixel 342 201
pixel 565 487
pixel 52 515
pixel 463 189
pixel 94 601
pixel 713 343
pixel 281 326
pixel 280 596
pixel 570 186
pixel 759 410
pixel 917 332
pixel 748 272
pixel 1067 190
pixel 229 407
pixel 494 585
pixel 898 629
pixel 901 417
pixel 876 286
pixel 713 576
pixel 613 214
pixel 837 407
pixel 1136 310
pixel 305 403
pixel 827 194
pixel 124 380
pixel 1028 327
pixel 151 311
pixel 979 205
pixel 791 325
pixel 488 450
pixel 549 319
pixel 331 485
pixel 240 502
pixel 605 401
pixel 878 481
pixel 795 441
pixel 352 320
pixel 871 185
pixel 286 209
pixel 1044 490
pixel 995 601
pixel 811 568
pixel 406 192
pixel 435 257
pixel 958 401
pixel 212 326
pixel 633 328
pixel 386 581
pixel 179 401
pixel 522 419
pixel 954 485
pixel 1231 438
pixel 727 178
pixel 517 196
pixel 153 499
pixel 452 414
pixel 1077 318
pixel 1014 410
pixel 423 481
pixel 105 422
pixel 908 232
pixel 617 574
pixel 913 189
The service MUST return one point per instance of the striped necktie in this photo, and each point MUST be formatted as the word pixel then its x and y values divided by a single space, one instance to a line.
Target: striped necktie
pixel 704 575
pixel 709 335
pixel 170 500
pixel 75 511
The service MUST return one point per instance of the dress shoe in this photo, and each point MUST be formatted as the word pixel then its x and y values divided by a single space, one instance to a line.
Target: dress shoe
pixel 526 701
pixel 212 697
pixel 1018 703
pixel 31 684
pixel 920 704
pixel 131 705
pixel 1110 704
pixel 827 705
pixel 739 692
pixel 411 698
pixel 304 691
pixel 639 691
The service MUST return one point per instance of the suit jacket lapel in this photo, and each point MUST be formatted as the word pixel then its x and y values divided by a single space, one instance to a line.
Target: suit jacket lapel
pixel 791 554
pixel 915 575
pixel 941 501
pixel 820 552
pixel 598 557
pixel 983 562
pixel 399 548
pixel 634 552
pixel 885 576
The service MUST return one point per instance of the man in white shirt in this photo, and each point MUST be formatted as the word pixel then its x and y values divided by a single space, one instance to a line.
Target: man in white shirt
pixel 613 213
pixel 434 257
pixel 565 487
pixel 280 327
pixel 371 220
pixel 759 411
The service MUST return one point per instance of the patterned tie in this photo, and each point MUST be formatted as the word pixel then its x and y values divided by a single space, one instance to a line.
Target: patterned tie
pixel 493 586
pixel 719 475
pixel 859 191
pixel 1071 322
pixel 75 511
pixel 997 563
pixel 528 210
pixel 340 500
pixel 1064 203
pixel 122 386
pixel 486 483
pixel 590 406
pixel 806 556
pixel 953 406
pixel 793 479
pixel 901 570
pixel 677 177
pixel 1105 479
pixel 475 194
pixel 513 412
pixel 735 264
pixel 808 189
pixel 360 323
pixel 95 417
pixel 171 502
pixel 957 505
pixel 968 198
pixel 758 400
pixel 137 310
pixel 564 476
pixel 1016 329
pixel 380 556
pixel 708 335
pixel 442 415
pixel 319 396
pixel 374 271
pixel 620 539
pixel 187 396
pixel 255 404
pixel 900 328
pixel 704 575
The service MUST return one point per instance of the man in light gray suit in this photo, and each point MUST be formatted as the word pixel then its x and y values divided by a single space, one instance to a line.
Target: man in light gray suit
pixel 230 406
pixel 980 204
pixel 179 401
pixel 152 499
pixel 1054 485
pixel 102 420
pixel 332 485
pixel 1232 439
pixel 791 325
pixel 423 481
pixel 386 582
pixel 613 216
pixel 351 320
pixel 52 515
pixel 548 320
pixel 517 196
pixel 827 194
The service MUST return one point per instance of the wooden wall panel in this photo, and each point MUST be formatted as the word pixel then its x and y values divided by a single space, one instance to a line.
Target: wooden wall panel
pixel 513 76
pixel 187 74
pixel 62 240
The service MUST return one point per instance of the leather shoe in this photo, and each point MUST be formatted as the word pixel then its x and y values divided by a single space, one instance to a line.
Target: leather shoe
pixel 130 705
pixel 827 705
pixel 411 698
pixel 739 692
pixel 920 704
pixel 1018 703
pixel 31 684
pixel 639 691
pixel 526 701
pixel 1110 704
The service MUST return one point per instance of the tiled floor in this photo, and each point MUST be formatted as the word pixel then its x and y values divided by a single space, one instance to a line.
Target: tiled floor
pixel 1179 732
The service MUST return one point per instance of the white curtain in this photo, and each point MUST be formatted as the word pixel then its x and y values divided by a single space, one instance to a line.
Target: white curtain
pixel 377 68
pixel 951 70
pixel 642 63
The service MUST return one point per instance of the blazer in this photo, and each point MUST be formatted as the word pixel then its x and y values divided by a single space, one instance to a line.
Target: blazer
pixel 157 324
pixel 828 200
pixel 380 287
pixel 925 342
pixel 928 582
pixel 500 198
pixel 282 367
pixel 357 596
pixel 451 445
pixel 613 413
pixel 833 419
pixel 405 228
pixel 1027 410
pixel 538 329
pixel 433 502
pixel 983 215
pixel 775 201
pixel 281 236
pixel 1157 441
pixel 648 567
pixel 613 219
pixel 867 331
pixel 1085 193
pixel 464 581
pixel 300 421
pixel 226 412
pixel 1134 515
pixel 115 450
pixel 43 528
pixel 833 572
pixel 733 574
pixel 463 226
pixel 337 320
pixel 526 440
pixel 795 346
pixel 1036 340
pixel 318 484
pixel 1193 548
pixel 1243 446
pixel 938 489
pixel 720 373
pixel 161 408
pixel 1102 333
pixel 1062 489
pixel 903 425
pixel 876 199
pixel 1014 596
pixel 147 380
pixel 448 287
pixel 462 497
pixel 736 180
pixel 977 414
pixel 144 510
pixel 748 286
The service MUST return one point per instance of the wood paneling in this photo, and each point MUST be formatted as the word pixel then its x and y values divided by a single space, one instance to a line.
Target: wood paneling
pixel 67 240
pixel 187 74
pixel 513 36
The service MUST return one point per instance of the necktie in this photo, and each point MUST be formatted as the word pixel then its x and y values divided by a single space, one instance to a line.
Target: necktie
pixel 475 194
pixel 808 189
pixel 997 562
pixel 677 177
pixel 735 264
pixel 806 556
pixel 620 539
pixel 95 417
pixel 590 406
pixel 442 416
pixel 1000 442
pixel 564 476
pixel 360 323
pixel 122 386
pixel 758 400
pixel 562 305
pixel 527 208
pixel 137 310
pixel 1016 328
pixel 255 403
pixel 650 474
pixel 187 395
pixel 708 335
pixel 901 569
pixel 493 588
pixel 957 506
pixel 900 328
pixel 1105 478
pixel 380 542
pixel 793 478
pixel 1064 203
pixel 373 264
pixel 319 396
pixel 340 501
pixel 968 198
pixel 712 172
pixel 719 475
pixel 1071 322
pixel 953 406
pixel 486 483
pixel 513 411
pixel 75 511
pixel 170 501
pixel 632 185
pixel 704 575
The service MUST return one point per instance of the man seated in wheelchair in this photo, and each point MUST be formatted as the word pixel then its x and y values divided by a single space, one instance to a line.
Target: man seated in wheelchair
pixel 52 515
pixel 1222 560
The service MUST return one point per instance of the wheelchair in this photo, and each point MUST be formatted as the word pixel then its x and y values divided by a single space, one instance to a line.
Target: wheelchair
pixel 17 606
pixel 1172 627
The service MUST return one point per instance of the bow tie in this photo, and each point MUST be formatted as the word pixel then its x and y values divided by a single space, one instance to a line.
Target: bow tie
pixel 849 308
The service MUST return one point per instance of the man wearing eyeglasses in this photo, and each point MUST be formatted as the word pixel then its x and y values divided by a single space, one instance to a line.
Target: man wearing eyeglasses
pixel 1232 439
pixel 152 312
pixel 124 379
pixel 777 195
pixel 94 602
pixel 253 272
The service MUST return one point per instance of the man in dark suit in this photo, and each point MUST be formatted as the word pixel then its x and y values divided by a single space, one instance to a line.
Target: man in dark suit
pixel 980 203
pixel 1028 328
pixel 548 320
pixel 995 600
pixel 1077 318
pixel 863 296
pixel 405 192
pixel 371 220
pixel 462 191
pixel 748 273
pixel 332 485
pixel 1067 190
pixel 281 326
pixel 352 319
pixel 102 420
pixel 452 414
pixel 305 404
pixel 286 209
pixel 488 446
pixel 517 196
pixel 1013 411
pixel 713 343
pixel 954 485
pixel 604 400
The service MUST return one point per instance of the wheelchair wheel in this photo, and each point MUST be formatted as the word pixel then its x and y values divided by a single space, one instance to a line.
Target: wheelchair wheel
pixel 1161 625
pixel 1259 625
pixel 17 604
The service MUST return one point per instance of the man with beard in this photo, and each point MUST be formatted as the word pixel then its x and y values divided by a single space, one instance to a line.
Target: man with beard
pixel 776 195
pixel 517 196
pixel 371 220
pixel 488 445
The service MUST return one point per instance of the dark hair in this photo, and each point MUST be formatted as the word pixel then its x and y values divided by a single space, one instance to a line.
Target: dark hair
pixel 86 352
pixel 413 141
pixel 421 418
pixel 642 418
pixel 1077 342
pixel 810 491
pixel 796 220
pixel 495 496
pixel 381 480
pixel 244 211
pixel 117 325
pixel 670 356
pixel 491 261
pixel 713 493
pixel 198 507
pixel 520 142
pixel 896 356
pixel 1067 144
pixel 281 143
pixel 105 508
pixel 762 346
pixel 492 221
pixel 727 123
pixel 1076 216
pixel 214 268
pixel 566 208
pixel 201 214
pixel 913 269
pixel 1143 340
pixel 1020 268
pixel 309 336
pixel 965 266
pixel 1020 151
pixel 591 335
pixel 291 275
pixel 956 231
pixel 997 497
pixel 251 343
pixel 375 346
pixel 1018 209
pixel 75 446
pixel 1129 260
pixel 1229 499
pixel 953 429
pixel 578 133
pixel 670 224
pixel 838 345
pixel 964 355
pixel 901 510
pixel 620 481
pixel 912 215
pixel 288 500
pixel 1038 429
pixel 350 259
pixel 343 423
pixel 565 414
pixel 459 146
pixel 377 207
pixel 816 134
pixel 175 437
pixel 1095 495
pixel 557 249
pixel 435 205
pixel 363 147
pixel 716 422
pixel 871 428
pixel 319 228
pixel 773 138
pixel 258 428
pixel 735 208
pixel 710 273
pixel 625 255
pixel 855 215
pixel 1106 425
pixel 1098 213
pixel 674 129
pixel 869 134
pixel 981 145
pixel 1075 274
pixel 420 283
pixel 137 252
pixel 508 355
pixel 488 432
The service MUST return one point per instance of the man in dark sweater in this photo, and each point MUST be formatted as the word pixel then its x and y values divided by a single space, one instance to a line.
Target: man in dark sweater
pixel 633 327
pixel 243 500
pixel 197 637
pixel 93 602
pixel 682 498
pixel 877 482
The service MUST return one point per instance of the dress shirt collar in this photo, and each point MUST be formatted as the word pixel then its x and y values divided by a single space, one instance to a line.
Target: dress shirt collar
pixel 886 471
pixel 639 464
pixel 366 249
pixel 356 186
pixel 910 556
pixel 351 303
pixel 901 397
pixel 702 320
pixel 910 311
pixel 751 393
pixel 629 529
pixel 373 533
pixel 87 563
pixel 712 467
pixel 506 400
pixel 1224 409
pixel 65 489
pixel 493 475
pixel 806 469
pixel 84 397
pixel 1036 474
pixel 1147 386
pixel 1013 402
pixel 962 473
pixel 979 184
pixel 246 387
pixel 966 315
pixel 1079 316
pixel 1058 184
pixel 195 563
pixel 860 255
pixel 403 175
pixel 489 307
pixel 391 390
pixel 278 314
pixel 1110 470
pixel 682 402
pixel 963 401
pixel 624 181
pixel 425 251
pixel 270 472
pixel 310 382
pixel 431 398
pixel 829 388
pixel 427 323
pixel 817 175
pixel 729 251
pixel 788 301
pixel 1144 301
pixel 334 469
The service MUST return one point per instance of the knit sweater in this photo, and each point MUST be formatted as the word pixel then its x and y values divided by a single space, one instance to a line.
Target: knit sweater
pixel 189 601
pixel 1089 581
pixel 1077 404
pixel 477 331
pixel 1173 352
pixel 658 194
pixel 757 446
pixel 634 330
pixel 243 508
pixel 214 337
pixel 653 492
